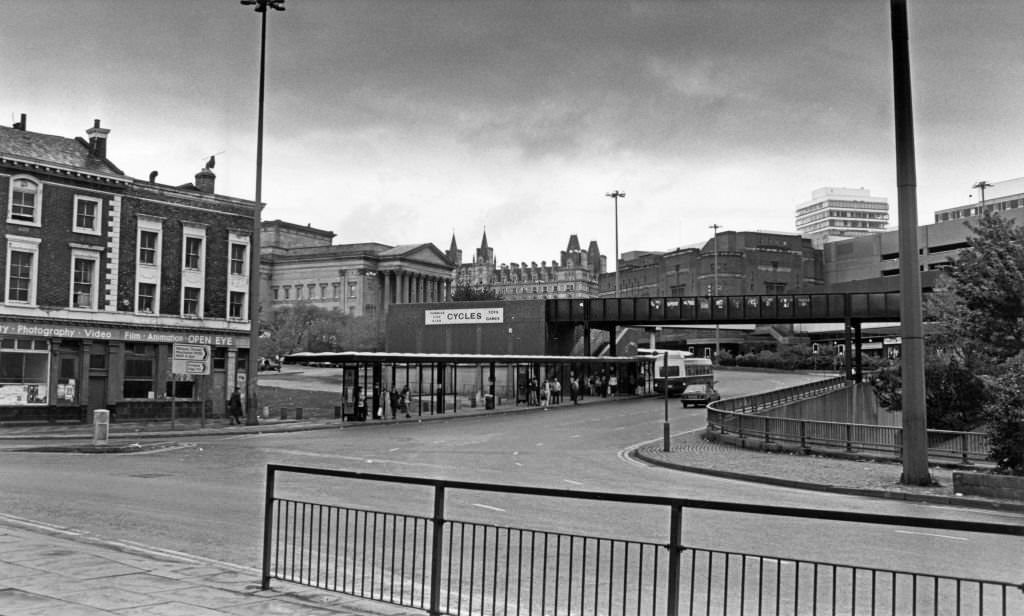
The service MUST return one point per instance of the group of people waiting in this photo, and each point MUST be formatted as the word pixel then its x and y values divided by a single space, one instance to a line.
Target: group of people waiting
pixel 549 391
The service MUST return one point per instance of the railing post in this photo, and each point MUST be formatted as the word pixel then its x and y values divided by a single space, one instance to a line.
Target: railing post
pixel 963 448
pixel 767 430
pixel 675 551
pixel 437 547
pixel 268 525
pixel 849 437
pixel 803 434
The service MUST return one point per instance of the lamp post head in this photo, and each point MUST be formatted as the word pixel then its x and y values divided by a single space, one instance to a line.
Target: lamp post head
pixel 261 5
pixel 616 194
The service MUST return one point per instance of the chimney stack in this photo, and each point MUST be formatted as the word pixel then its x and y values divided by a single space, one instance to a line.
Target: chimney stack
pixel 23 125
pixel 205 180
pixel 98 140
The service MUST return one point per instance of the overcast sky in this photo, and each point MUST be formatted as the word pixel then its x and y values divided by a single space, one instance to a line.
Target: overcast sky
pixel 405 121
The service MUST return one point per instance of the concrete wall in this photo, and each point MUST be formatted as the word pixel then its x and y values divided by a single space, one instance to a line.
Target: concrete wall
pixel 855 404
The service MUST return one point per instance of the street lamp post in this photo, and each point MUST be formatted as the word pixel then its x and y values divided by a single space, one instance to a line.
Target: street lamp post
pixel 714 294
pixel 251 417
pixel 982 185
pixel 615 195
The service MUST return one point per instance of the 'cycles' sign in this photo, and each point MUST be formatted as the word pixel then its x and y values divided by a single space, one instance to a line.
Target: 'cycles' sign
pixel 464 316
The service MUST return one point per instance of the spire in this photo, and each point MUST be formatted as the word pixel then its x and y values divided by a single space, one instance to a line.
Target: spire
pixel 483 244
pixel 454 254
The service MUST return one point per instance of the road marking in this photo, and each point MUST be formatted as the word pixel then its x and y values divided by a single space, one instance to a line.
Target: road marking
pixel 488 507
pixel 911 532
pixel 519 463
pixel 394 449
pixel 575 436
pixel 575 483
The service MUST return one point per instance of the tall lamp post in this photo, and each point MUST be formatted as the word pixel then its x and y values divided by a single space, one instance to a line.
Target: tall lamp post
pixel 982 185
pixel 714 293
pixel 615 195
pixel 251 407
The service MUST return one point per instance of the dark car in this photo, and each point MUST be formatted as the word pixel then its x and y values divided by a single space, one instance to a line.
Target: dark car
pixel 699 395
pixel 269 364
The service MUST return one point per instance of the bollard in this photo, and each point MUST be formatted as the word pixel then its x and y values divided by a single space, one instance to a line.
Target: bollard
pixel 101 426
pixel 298 412
pixel 284 413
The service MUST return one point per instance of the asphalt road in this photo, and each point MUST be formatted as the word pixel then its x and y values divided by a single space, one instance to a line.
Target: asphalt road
pixel 207 499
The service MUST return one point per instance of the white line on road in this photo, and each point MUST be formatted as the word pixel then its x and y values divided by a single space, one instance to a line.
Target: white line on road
pixel 394 449
pixel 911 532
pixel 488 507
pixel 575 483
pixel 575 436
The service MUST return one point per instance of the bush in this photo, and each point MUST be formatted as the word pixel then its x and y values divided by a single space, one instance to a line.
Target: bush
pixel 1005 417
pixel 954 395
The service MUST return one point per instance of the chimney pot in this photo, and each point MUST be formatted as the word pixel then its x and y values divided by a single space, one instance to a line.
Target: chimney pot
pixel 98 140
pixel 205 180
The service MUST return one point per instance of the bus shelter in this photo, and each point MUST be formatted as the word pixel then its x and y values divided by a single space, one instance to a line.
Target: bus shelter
pixel 440 383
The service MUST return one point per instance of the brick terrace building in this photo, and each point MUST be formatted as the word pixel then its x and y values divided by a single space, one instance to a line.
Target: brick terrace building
pixel 103 274
pixel 749 263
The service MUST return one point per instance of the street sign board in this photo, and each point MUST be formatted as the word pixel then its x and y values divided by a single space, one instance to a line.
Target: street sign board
pixel 190 359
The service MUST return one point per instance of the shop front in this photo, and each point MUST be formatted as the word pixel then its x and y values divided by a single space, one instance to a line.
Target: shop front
pixel 62 372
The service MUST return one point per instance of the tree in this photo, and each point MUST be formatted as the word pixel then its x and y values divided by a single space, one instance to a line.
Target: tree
pixel 954 394
pixel 466 293
pixel 978 312
pixel 305 327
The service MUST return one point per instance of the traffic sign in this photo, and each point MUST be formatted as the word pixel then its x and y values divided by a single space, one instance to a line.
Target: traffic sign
pixel 190 359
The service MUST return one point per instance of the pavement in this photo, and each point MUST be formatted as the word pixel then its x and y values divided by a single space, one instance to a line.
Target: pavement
pixel 48 570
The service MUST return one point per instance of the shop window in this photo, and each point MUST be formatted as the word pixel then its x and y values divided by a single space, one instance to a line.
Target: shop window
pixel 180 389
pixel 236 305
pixel 238 259
pixel 26 202
pixel 145 299
pixel 24 371
pixel 87 210
pixel 149 241
pixel 139 365
pixel 220 358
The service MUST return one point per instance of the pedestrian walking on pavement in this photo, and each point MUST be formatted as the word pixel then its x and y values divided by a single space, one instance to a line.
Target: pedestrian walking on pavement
pixel 235 408
pixel 545 394
pixel 574 390
pixel 556 391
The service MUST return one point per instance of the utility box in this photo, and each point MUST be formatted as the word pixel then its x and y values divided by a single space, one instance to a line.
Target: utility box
pixel 100 426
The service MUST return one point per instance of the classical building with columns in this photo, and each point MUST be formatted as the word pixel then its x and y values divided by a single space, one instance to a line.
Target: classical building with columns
pixel 301 264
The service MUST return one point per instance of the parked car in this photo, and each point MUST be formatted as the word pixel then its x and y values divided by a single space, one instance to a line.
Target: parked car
pixel 269 364
pixel 699 395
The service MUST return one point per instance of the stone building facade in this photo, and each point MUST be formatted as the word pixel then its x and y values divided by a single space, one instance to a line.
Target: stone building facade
pixel 574 274
pixel 301 264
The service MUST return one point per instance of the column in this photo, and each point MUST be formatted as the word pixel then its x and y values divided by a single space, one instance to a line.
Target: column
pixel 387 292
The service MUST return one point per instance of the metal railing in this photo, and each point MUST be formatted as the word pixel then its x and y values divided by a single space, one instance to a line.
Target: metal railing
pixel 449 566
pixel 745 418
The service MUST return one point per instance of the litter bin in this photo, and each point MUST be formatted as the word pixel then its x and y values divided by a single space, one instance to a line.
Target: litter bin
pixel 489 401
